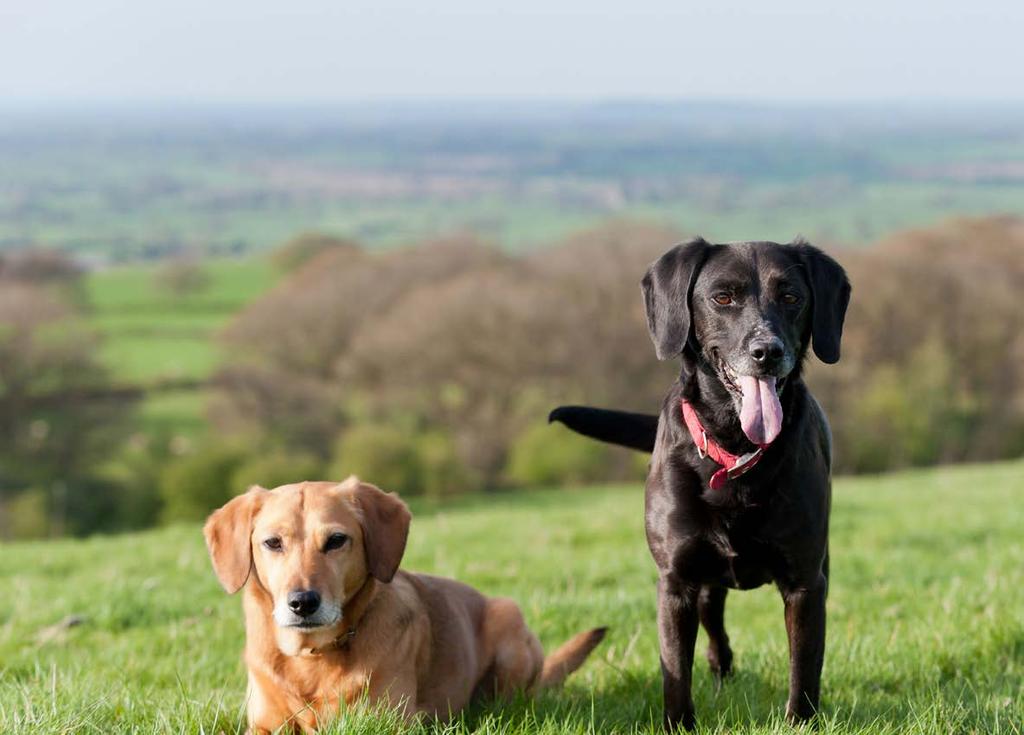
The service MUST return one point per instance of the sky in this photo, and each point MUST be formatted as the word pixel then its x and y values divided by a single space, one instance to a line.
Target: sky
pixel 324 51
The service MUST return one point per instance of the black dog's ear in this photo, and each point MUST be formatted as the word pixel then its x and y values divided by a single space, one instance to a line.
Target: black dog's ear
pixel 667 286
pixel 830 289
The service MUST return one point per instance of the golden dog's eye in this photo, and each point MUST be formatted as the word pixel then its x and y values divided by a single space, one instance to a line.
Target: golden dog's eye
pixel 722 299
pixel 335 541
pixel 790 298
pixel 273 543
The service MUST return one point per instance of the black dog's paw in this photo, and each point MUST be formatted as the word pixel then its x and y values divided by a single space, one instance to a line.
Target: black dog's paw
pixel 686 722
pixel 803 714
pixel 720 661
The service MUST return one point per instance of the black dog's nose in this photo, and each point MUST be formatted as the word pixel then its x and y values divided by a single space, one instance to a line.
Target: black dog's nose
pixel 766 352
pixel 303 602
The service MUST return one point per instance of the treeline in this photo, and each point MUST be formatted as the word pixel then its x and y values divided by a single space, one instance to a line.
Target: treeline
pixel 431 369
pixel 933 353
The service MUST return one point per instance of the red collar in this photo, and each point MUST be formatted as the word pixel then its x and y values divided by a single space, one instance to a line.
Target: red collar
pixel 732 465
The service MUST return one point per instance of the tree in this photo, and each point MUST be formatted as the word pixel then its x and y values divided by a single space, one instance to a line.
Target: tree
pixel 305 247
pixel 283 379
pixel 932 348
pixel 452 338
pixel 59 417
pixel 39 266
pixel 52 270
pixel 182 276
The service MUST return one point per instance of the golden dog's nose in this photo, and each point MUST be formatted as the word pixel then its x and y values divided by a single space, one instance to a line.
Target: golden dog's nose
pixel 304 602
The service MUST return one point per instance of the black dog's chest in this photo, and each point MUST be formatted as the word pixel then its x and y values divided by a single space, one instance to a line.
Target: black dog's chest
pixel 726 541
pixel 732 561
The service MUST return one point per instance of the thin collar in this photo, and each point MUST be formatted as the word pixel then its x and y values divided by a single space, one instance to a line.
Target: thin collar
pixel 352 614
pixel 733 465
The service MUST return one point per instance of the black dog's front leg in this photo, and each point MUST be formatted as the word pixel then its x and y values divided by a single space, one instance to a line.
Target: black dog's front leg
pixel 805 626
pixel 677 635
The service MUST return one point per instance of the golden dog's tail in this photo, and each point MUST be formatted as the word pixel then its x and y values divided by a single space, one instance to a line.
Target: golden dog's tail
pixel 569 656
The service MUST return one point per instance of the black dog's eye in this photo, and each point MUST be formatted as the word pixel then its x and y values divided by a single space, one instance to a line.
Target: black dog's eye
pixel 790 298
pixel 335 541
pixel 722 299
pixel 273 543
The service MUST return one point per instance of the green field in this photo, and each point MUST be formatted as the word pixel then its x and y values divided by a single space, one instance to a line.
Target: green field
pixel 150 337
pixel 926 626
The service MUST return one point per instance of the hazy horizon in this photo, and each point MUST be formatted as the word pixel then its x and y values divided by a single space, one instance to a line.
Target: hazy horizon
pixel 820 118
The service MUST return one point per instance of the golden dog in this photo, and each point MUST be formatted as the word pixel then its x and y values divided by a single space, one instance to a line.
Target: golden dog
pixel 329 617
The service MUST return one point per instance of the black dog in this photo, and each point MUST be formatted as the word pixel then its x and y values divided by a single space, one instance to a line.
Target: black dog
pixel 739 488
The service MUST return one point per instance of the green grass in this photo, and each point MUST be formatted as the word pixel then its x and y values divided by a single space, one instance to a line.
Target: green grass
pixel 926 626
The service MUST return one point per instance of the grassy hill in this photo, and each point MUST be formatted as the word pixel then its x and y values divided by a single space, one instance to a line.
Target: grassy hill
pixel 926 627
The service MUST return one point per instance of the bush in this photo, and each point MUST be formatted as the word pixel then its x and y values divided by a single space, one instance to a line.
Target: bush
pixel 553 455
pixel 383 455
pixel 26 516
pixel 181 277
pixel 277 467
pixel 139 469
pixel 404 461
pixel 909 415
pixel 196 484
pixel 92 505
pixel 441 470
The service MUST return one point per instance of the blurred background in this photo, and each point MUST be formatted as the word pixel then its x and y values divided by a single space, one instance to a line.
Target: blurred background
pixel 242 243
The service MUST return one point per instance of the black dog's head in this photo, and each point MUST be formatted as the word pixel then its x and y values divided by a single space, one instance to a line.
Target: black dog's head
pixel 749 310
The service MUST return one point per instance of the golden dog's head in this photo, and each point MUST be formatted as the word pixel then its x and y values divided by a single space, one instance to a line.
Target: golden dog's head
pixel 311 546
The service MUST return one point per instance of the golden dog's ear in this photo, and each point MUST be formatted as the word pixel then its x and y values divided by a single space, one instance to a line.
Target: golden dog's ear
pixel 385 521
pixel 228 533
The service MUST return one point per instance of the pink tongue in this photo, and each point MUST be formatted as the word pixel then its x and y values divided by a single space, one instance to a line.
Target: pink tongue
pixel 761 412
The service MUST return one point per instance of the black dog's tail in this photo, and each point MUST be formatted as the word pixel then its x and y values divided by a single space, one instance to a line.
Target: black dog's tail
pixel 634 430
